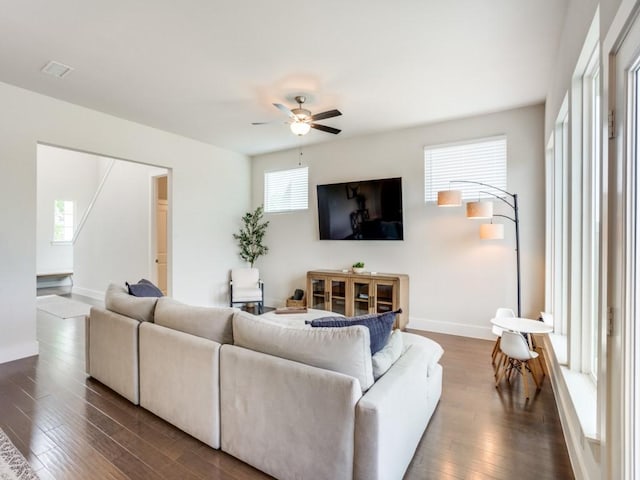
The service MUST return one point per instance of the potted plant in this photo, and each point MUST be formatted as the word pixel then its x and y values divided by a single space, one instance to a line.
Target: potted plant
pixel 251 236
pixel 358 267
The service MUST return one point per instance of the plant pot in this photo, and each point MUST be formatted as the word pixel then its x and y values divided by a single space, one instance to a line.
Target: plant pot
pixel 357 269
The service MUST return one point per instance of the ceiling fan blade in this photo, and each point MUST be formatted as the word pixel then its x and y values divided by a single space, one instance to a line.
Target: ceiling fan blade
pixel 284 109
pixel 269 123
pixel 327 114
pixel 324 128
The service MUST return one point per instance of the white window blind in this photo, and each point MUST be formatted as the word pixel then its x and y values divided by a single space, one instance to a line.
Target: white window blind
pixel 482 160
pixel 286 190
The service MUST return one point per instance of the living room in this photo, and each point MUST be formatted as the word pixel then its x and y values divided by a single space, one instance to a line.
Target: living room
pixel 457 281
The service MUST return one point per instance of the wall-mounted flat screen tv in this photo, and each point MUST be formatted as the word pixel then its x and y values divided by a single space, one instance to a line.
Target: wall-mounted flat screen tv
pixel 364 210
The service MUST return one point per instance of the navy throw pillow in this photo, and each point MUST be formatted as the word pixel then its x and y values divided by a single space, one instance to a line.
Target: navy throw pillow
pixel 144 288
pixel 379 325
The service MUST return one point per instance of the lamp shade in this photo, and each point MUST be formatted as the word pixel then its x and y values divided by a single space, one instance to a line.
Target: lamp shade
pixel 492 231
pixel 300 128
pixel 449 198
pixel 480 209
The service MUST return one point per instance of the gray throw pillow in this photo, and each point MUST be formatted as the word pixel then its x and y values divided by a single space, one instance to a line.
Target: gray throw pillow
pixel 144 288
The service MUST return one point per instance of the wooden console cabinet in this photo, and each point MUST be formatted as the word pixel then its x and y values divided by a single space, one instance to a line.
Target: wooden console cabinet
pixel 352 294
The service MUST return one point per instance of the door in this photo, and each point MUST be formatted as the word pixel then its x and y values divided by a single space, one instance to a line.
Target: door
pixel 383 300
pixel 317 289
pixel 162 207
pixel 327 293
pixel 338 296
pixel 362 297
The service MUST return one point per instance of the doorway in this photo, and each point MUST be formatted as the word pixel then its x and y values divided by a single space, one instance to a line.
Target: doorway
pixel 107 233
pixel 161 202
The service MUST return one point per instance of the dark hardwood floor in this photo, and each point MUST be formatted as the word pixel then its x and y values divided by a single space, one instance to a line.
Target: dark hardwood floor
pixel 72 427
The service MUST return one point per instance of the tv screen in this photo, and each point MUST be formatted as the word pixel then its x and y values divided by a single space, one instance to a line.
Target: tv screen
pixel 365 210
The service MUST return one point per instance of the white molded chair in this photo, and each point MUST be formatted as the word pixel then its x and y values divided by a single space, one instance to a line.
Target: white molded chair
pixel 246 287
pixel 517 357
pixel 497 331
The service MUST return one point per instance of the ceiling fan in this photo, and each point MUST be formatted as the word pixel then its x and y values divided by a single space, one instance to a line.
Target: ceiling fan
pixel 301 119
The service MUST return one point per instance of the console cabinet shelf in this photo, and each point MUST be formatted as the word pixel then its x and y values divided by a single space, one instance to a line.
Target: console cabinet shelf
pixel 352 294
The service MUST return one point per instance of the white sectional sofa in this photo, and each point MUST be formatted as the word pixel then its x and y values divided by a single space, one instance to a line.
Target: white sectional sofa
pixel 293 401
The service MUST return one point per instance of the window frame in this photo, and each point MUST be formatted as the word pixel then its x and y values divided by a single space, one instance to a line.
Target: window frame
pixel 67 217
pixel 469 191
pixel 292 205
pixel 592 147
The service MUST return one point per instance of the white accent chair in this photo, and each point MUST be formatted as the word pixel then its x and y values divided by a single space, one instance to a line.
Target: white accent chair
pixel 517 357
pixel 246 287
pixel 497 331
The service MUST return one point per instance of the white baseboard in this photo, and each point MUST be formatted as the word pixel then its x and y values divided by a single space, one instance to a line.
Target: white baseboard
pixel 16 352
pixel 87 292
pixel 452 328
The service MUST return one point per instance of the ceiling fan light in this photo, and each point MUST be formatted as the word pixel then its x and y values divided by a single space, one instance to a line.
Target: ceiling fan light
pixel 300 128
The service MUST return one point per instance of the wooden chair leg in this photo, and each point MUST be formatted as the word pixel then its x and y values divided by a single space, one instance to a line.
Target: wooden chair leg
pixel 512 367
pixel 497 361
pixel 543 369
pixel 496 351
pixel 523 368
pixel 534 373
pixel 502 368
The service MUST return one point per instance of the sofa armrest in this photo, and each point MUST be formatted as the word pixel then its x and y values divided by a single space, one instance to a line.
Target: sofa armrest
pixel 112 351
pixel 179 375
pixel 286 418
pixel 391 418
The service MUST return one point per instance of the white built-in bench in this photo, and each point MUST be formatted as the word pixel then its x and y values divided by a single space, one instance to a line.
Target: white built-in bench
pixel 55 275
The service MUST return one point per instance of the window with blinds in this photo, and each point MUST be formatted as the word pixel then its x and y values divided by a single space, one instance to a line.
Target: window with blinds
pixel 482 160
pixel 286 190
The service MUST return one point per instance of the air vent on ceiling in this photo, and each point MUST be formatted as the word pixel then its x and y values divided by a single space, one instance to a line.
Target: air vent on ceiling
pixel 56 69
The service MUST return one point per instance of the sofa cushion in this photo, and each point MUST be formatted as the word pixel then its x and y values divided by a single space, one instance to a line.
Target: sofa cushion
pixel 342 350
pixel 214 323
pixel 388 355
pixel 434 350
pixel 117 300
pixel 144 288
pixel 379 325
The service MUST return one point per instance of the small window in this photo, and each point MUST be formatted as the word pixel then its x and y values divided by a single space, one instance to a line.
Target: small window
pixel 63 221
pixel 482 160
pixel 286 190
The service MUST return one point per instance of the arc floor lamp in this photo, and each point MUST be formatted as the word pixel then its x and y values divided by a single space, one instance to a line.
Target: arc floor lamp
pixel 484 209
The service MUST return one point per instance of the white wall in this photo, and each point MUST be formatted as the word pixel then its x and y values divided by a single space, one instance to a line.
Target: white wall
pixel 210 191
pixel 115 243
pixel 61 175
pixel 456 280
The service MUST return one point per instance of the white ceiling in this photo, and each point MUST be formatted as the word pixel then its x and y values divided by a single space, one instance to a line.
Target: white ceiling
pixel 206 69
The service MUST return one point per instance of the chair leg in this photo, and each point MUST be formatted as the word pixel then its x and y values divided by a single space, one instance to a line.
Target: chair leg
pixel 502 368
pixel 503 361
pixel 523 368
pixel 534 372
pixel 496 350
pixel 497 363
